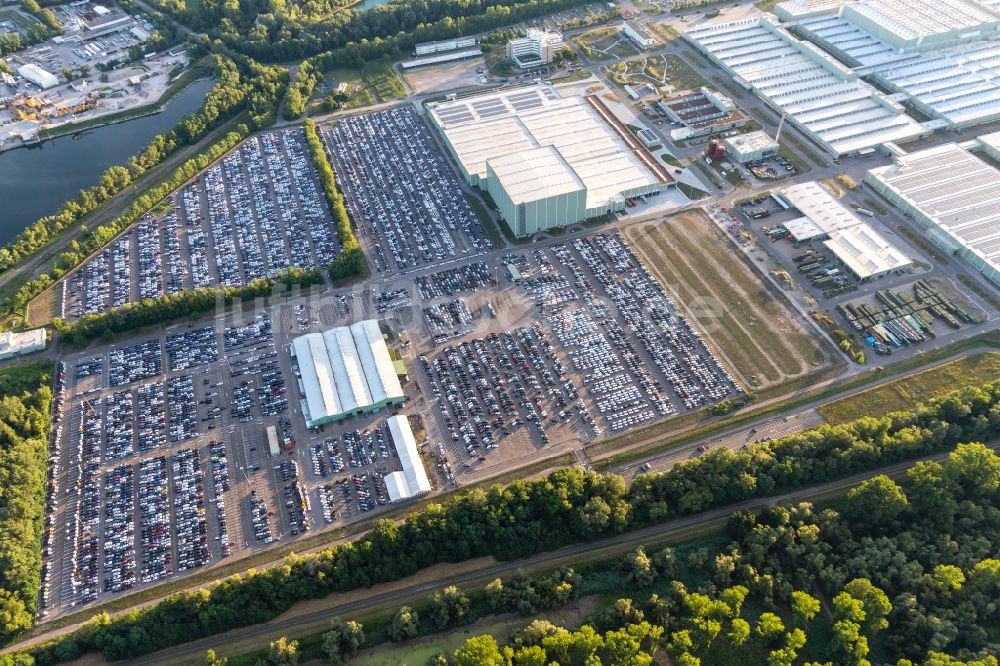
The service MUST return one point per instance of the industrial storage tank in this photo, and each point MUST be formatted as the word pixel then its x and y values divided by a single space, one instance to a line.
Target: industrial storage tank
pixel 712 145
pixel 720 153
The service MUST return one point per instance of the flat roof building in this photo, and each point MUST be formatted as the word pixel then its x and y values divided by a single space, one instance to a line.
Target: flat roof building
pixel 856 244
pixel 536 48
pixel 822 210
pixel 954 195
pixel 638 34
pixel 920 25
pixel 444 45
pixel 704 112
pixel 865 253
pixel 345 371
pixel 546 160
pixel 750 147
pixel 948 67
pixel 447 56
pixel 822 97
pixel 18 344
pixel 798 10
pixel 412 480
pixel 648 138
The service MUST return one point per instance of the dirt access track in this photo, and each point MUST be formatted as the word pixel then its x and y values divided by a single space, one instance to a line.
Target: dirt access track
pixel 744 319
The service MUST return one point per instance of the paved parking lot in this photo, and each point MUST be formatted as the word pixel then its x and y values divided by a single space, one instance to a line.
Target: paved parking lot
pixel 163 464
pixel 258 211
pixel 400 191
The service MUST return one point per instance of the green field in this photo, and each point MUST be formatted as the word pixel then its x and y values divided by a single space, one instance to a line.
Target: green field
pixel 22 21
pixel 604 44
pixel 373 83
pixel 382 81
pixel 914 389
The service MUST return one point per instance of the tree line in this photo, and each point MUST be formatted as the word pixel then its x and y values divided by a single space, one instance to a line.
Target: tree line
pixel 352 37
pixel 392 31
pixel 527 517
pixel 46 27
pixel 169 307
pixel 906 570
pixel 241 85
pixel 24 434
pixel 351 261
pixel 929 541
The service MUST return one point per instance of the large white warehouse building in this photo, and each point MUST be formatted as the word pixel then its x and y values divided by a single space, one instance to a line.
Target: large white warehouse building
pixel 940 56
pixel 345 371
pixel 546 160
pixel 856 245
pixel 954 194
pixel 823 98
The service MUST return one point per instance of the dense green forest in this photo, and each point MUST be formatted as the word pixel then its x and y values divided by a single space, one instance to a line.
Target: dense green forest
pixel 869 577
pixel 25 400
pixel 527 517
pixel 904 573
pixel 292 29
pixel 390 31
pixel 242 85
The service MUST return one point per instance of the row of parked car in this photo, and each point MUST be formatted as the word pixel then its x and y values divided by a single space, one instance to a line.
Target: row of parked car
pixel 119 529
pixel 52 488
pixel 150 275
pixel 259 518
pixel 220 487
pixel 190 526
pixel 155 536
pixel 461 279
pixel 256 332
pixel 488 387
pixel 119 441
pixel 182 413
pixel 192 348
pixel 131 363
pixel 448 320
pixel 85 519
pixel 400 191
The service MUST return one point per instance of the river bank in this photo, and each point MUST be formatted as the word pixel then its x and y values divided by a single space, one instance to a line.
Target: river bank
pixel 36 180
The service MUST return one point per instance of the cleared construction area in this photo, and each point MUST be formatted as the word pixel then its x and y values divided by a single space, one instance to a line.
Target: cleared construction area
pixel 751 326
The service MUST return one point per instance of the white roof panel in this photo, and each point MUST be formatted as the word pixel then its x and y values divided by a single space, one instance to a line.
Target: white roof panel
pixel 348 375
pixel 816 92
pixel 379 371
pixel 345 369
pixel 414 477
pixel 317 375
pixel 865 252
pixel 521 120
pixel 955 190
pixel 816 203
pixel 535 174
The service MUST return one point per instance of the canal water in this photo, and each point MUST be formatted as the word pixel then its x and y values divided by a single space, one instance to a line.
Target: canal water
pixel 35 181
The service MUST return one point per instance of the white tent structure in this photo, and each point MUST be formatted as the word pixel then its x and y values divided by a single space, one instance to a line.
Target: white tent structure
pixel 412 480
